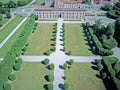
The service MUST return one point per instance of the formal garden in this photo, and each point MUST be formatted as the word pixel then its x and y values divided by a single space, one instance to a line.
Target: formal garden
pixel 38 39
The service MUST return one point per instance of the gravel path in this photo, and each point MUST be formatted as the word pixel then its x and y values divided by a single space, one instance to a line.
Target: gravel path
pixel 10 35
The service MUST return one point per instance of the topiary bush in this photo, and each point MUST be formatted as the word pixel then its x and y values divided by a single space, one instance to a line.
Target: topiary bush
pixel 65 66
pixel 19 60
pixel 50 86
pixel 71 62
pixel 47 52
pixel 17 67
pixel 12 77
pixel 50 77
pixel 54 48
pixel 66 86
pixel 46 61
pixel 51 66
pixel 99 66
pixel 6 86
pixel 104 75
pixel 69 52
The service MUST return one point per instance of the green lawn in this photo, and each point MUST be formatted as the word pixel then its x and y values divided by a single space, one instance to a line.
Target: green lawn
pixel 11 41
pixel 74 38
pixel 9 27
pixel 82 77
pixel 30 77
pixel 39 1
pixel 40 41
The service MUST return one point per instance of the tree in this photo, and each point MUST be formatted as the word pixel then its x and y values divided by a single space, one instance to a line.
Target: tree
pixel 11 4
pixel 51 66
pixel 46 61
pixel 117 30
pixel 110 29
pixel 1 4
pixel 6 86
pixel 65 66
pixel 8 15
pixel 50 77
pixel 71 61
pixel 11 77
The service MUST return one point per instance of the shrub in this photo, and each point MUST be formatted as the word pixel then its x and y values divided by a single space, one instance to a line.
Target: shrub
pixel 6 86
pixel 50 77
pixel 100 67
pixel 64 48
pixel 50 86
pixel 46 61
pixel 54 48
pixel 65 66
pixel 71 61
pixel 11 77
pixel 69 52
pixel 51 66
pixel 104 75
pixel 47 52
pixel 17 67
pixel 19 60
pixel 66 86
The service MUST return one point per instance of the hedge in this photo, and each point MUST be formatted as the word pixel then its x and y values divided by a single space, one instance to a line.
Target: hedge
pixel 8 63
pixel 111 72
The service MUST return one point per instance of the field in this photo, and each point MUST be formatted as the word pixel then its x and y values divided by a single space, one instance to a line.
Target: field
pixel 40 41
pixel 4 32
pixel 74 39
pixel 82 77
pixel 39 2
pixel 10 42
pixel 30 77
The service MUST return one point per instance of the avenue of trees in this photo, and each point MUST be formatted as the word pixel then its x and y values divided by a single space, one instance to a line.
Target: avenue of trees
pixel 109 68
pixel 10 63
pixel 100 38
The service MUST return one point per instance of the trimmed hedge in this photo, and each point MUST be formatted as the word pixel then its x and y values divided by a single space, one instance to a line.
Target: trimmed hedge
pixel 110 70
pixel 8 63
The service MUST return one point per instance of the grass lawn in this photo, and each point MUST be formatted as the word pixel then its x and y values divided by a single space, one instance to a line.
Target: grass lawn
pixel 30 77
pixel 40 41
pixel 82 77
pixel 39 1
pixel 75 40
pixel 11 41
pixel 4 32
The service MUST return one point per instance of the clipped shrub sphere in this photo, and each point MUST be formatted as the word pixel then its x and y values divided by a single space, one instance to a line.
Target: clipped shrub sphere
pixel 6 86
pixel 12 77
pixel 51 66
pixel 19 60
pixel 17 67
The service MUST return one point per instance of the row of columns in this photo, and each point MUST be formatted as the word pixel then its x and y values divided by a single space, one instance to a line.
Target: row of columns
pixel 64 14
